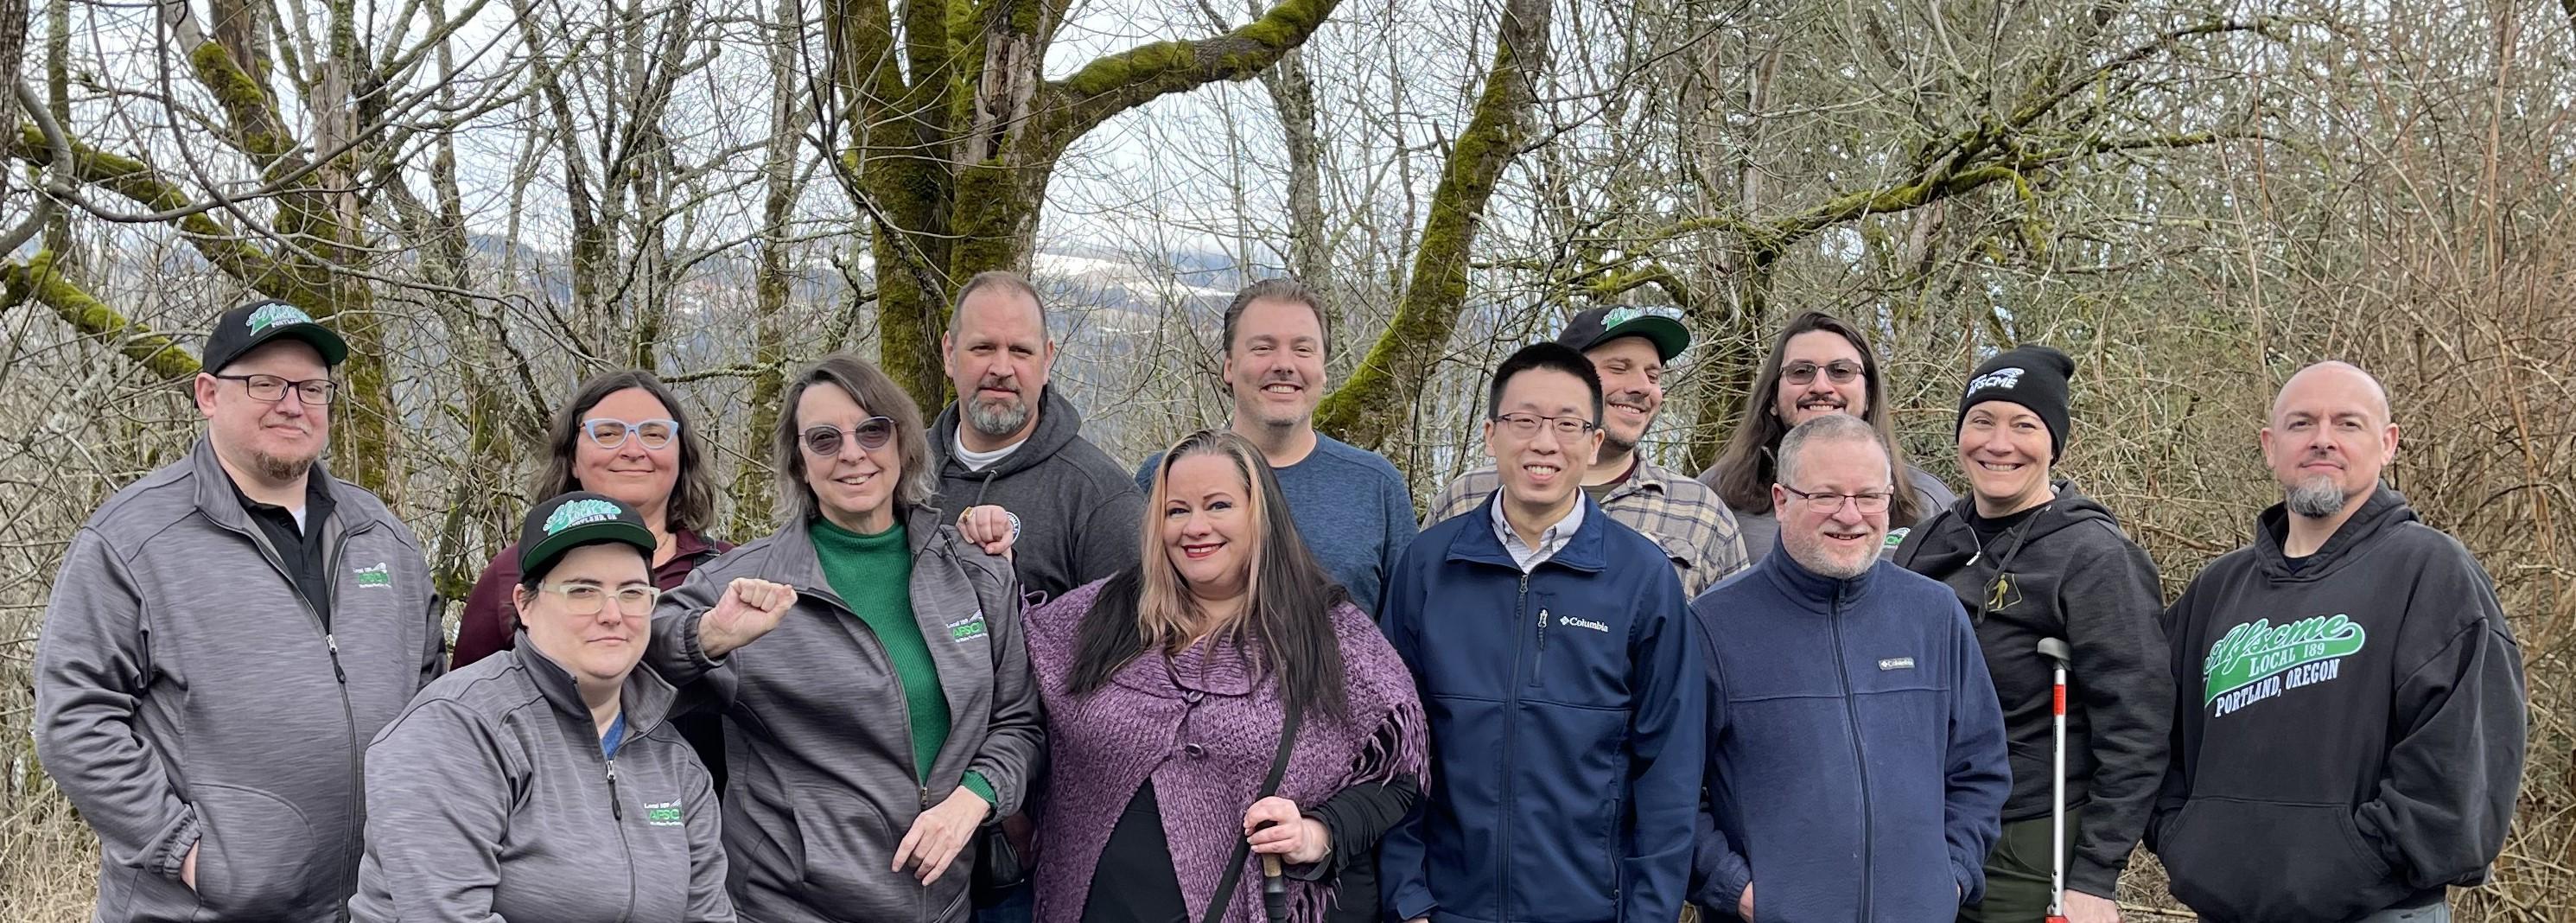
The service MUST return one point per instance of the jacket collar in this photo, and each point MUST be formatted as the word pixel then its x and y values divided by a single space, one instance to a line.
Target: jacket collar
pixel 1587 551
pixel 217 500
pixel 645 700
pixel 795 562
pixel 1813 591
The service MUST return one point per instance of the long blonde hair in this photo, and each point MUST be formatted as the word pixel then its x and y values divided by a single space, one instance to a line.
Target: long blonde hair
pixel 1288 596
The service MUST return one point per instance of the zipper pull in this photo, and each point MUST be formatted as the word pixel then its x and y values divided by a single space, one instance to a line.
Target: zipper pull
pixel 616 807
pixel 925 798
pixel 333 642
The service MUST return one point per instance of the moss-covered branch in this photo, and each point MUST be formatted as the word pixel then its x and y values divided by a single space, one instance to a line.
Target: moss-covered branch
pixel 1130 78
pixel 1365 409
pixel 143 184
pixel 257 128
pixel 38 280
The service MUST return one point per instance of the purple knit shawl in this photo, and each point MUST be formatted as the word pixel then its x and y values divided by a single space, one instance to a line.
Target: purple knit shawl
pixel 1204 726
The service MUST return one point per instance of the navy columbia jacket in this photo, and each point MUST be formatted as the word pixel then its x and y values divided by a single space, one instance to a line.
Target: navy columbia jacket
pixel 1856 754
pixel 1567 707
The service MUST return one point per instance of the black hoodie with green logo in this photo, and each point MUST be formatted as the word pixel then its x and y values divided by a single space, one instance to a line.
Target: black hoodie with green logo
pixel 2348 731
pixel 2066 571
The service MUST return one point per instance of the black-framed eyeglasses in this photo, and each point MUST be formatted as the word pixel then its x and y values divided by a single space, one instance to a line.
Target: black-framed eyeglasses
pixel 314 391
pixel 1839 371
pixel 610 433
pixel 872 433
pixel 1827 501
pixel 1526 425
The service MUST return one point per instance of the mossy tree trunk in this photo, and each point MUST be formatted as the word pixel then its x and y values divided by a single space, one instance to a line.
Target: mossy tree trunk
pixel 298 240
pixel 1365 410
pixel 953 132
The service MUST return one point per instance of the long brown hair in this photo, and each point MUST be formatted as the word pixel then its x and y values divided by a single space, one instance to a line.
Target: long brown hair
pixel 1748 464
pixel 1288 596
pixel 693 497
pixel 877 394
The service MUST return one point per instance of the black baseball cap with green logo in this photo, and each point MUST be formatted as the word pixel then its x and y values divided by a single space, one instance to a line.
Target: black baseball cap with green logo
pixel 1659 325
pixel 253 325
pixel 575 519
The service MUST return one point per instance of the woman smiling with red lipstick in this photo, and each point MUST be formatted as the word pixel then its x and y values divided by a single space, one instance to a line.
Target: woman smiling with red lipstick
pixel 1167 690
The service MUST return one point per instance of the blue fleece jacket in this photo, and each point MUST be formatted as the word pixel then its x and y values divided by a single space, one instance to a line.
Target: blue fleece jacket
pixel 1856 757
pixel 1566 707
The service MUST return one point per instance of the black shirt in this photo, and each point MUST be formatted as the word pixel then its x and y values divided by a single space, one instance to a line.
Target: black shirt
pixel 1134 882
pixel 1990 529
pixel 300 549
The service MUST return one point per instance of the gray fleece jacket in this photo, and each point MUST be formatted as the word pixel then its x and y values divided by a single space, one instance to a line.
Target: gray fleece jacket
pixel 820 783
pixel 490 800
pixel 186 695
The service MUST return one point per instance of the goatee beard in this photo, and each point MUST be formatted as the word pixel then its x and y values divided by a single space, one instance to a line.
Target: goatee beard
pixel 2315 498
pixel 280 470
pixel 999 418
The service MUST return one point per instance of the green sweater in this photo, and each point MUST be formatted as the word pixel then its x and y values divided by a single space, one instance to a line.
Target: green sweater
pixel 873 573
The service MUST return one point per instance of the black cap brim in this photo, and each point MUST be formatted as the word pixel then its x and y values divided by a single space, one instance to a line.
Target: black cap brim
pixel 1668 335
pixel 533 560
pixel 574 519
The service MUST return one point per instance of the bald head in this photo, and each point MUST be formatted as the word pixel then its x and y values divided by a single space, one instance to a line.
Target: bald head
pixel 2341 379
pixel 2328 438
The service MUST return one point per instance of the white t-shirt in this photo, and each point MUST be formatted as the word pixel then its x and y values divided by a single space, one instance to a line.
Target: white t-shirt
pixel 978 461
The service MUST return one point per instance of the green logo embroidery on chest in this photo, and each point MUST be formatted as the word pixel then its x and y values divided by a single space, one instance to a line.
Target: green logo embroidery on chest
pixel 966 629
pixel 662 814
pixel 378 575
pixel 2258 653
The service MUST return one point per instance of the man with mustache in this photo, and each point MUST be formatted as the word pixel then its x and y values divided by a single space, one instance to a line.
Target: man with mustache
pixel 2349 705
pixel 1350 504
pixel 225 637
pixel 1011 441
pixel 1629 347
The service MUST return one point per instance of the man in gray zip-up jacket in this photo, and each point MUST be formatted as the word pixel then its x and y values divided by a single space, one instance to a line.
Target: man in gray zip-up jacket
pixel 224 638
pixel 818 792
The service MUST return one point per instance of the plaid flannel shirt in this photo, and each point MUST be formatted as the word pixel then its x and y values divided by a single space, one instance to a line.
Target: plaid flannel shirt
pixel 1683 515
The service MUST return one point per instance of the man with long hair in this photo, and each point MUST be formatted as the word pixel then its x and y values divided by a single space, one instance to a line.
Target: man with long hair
pixel 1819 365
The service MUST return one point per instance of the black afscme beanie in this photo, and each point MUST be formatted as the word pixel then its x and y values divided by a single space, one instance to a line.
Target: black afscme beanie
pixel 2031 375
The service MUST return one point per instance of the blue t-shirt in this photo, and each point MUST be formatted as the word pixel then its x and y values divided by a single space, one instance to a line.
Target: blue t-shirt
pixel 1351 507
pixel 616 735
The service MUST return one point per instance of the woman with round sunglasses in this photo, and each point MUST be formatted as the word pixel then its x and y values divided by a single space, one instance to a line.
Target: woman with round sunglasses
pixel 887 711
pixel 544 782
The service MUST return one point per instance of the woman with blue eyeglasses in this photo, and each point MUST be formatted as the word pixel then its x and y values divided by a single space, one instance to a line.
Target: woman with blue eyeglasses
pixel 626 437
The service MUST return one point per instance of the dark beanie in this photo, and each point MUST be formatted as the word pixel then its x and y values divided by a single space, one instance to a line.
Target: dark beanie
pixel 2031 375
